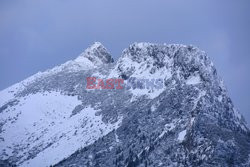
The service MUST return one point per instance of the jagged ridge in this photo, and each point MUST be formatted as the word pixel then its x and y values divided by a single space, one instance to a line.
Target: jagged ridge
pixel 192 115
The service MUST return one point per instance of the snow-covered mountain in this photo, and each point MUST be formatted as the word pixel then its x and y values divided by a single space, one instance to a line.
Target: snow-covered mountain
pixel 52 119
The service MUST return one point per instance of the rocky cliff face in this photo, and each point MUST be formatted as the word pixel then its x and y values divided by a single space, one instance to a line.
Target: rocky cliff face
pixel 52 119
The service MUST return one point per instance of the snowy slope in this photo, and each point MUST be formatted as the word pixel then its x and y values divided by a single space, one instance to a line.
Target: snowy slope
pixel 51 119
pixel 190 122
pixel 85 61
pixel 35 128
pixel 43 122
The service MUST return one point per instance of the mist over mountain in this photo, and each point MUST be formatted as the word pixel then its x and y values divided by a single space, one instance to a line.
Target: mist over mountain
pixel 51 118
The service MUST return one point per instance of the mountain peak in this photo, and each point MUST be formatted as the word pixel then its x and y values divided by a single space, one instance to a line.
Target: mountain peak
pixel 97 54
pixel 182 61
pixel 178 103
pixel 96 45
pixel 141 44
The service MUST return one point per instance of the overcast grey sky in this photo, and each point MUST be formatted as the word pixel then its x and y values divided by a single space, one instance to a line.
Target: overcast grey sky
pixel 38 34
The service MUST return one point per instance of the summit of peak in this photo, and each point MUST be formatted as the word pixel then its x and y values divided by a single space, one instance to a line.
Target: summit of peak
pixel 141 44
pixel 182 61
pixel 96 46
pixel 97 54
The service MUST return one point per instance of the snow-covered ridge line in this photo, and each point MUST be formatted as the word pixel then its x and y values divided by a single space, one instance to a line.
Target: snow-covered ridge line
pixel 55 116
pixel 82 62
